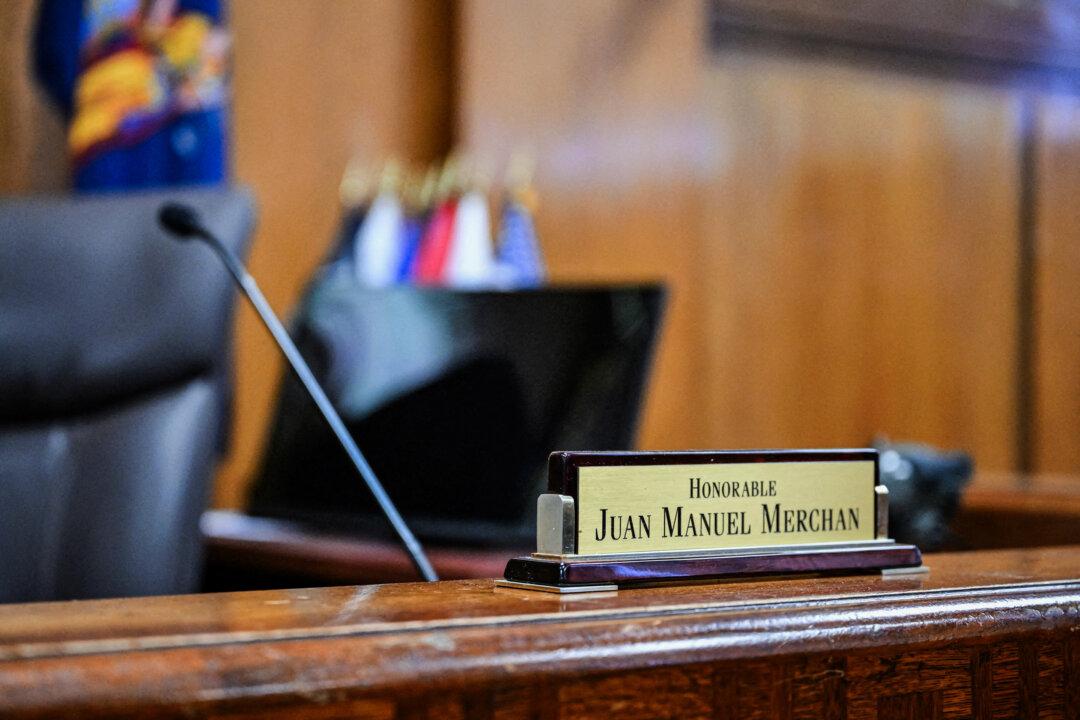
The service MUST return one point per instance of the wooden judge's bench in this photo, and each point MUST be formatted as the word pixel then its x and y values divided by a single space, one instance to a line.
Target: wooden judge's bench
pixel 990 634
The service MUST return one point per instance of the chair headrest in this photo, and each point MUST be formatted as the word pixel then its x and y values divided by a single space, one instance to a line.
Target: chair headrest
pixel 97 303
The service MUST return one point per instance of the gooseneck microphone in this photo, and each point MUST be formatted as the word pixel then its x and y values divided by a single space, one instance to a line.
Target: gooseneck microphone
pixel 183 222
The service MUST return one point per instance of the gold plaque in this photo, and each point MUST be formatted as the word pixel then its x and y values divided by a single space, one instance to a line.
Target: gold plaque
pixel 683 507
pixel 615 519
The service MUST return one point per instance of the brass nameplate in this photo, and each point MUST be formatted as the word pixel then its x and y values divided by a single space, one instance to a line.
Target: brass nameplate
pixel 742 501
pixel 617 519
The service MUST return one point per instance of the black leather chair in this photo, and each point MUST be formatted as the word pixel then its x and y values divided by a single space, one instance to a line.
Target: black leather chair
pixel 113 391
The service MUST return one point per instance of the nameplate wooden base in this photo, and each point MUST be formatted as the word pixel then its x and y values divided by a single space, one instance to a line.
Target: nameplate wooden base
pixel 566 574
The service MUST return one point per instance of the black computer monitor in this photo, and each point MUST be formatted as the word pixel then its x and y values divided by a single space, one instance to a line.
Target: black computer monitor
pixel 456 398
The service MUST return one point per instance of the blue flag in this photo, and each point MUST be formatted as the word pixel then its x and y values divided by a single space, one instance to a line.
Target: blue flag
pixel 412 234
pixel 519 259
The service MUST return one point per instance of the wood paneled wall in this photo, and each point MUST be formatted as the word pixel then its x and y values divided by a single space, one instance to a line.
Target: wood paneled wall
pixel 841 241
pixel 1056 420
pixel 860 259
pixel 314 84
pixel 31 134
pixel 608 97
pixel 841 238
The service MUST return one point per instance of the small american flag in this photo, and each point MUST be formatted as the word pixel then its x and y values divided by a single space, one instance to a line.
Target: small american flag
pixel 519 259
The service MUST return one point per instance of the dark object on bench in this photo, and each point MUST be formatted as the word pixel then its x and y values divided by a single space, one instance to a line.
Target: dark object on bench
pixel 925 485
pixel 456 398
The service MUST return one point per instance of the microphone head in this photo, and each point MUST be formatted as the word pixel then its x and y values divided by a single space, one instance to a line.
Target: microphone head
pixel 181 220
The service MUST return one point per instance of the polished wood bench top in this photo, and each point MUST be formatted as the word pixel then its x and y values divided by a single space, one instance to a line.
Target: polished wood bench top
pixel 1037 494
pixel 288 552
pixel 1004 510
pixel 222 652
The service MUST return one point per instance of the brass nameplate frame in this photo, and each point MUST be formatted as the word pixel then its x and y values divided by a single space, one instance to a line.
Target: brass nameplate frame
pixel 611 519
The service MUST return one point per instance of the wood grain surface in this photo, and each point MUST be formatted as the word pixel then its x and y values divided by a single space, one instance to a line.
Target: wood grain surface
pixel 983 635
pixel 840 239
pixel 1018 511
pixel 862 259
pixel 315 84
pixel 1057 286
pixel 32 142
pixel 1039 37
pixel 246 552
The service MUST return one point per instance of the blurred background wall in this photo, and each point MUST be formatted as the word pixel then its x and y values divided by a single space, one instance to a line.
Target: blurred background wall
pixel 854 246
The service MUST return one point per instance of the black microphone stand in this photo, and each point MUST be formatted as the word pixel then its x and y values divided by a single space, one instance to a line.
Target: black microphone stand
pixel 183 222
